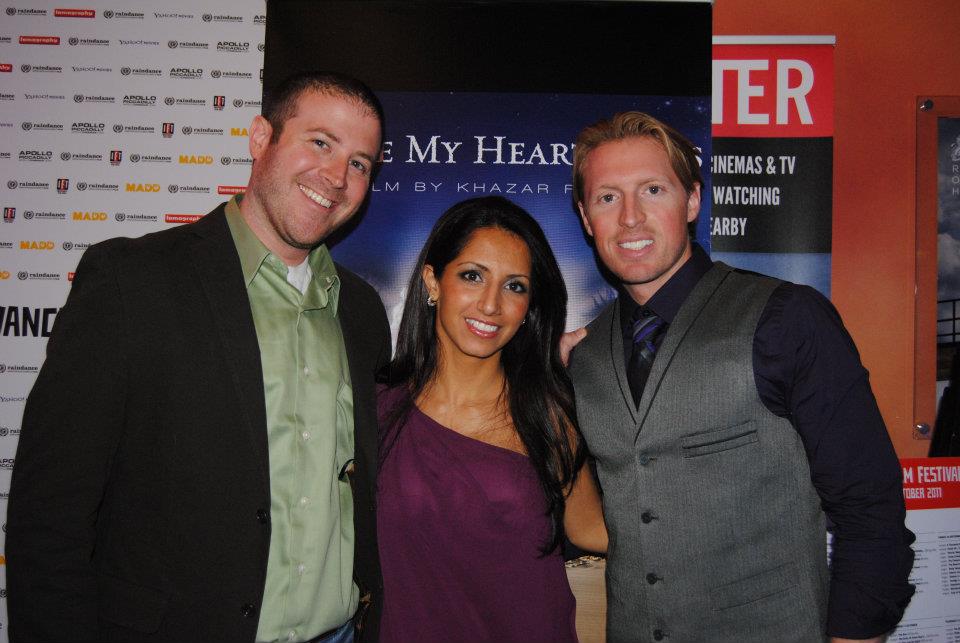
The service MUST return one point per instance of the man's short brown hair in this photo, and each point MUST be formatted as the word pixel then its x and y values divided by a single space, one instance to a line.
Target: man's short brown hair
pixel 280 102
pixel 680 151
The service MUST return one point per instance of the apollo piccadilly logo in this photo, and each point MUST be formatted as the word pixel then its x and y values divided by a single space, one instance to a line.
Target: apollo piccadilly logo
pixel 219 102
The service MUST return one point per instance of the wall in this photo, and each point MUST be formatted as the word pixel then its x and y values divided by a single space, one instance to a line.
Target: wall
pixel 888 53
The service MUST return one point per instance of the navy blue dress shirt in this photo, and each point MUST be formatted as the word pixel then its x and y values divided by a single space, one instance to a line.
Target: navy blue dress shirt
pixel 807 369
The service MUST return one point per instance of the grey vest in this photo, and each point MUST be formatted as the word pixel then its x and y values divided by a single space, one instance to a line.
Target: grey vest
pixel 716 531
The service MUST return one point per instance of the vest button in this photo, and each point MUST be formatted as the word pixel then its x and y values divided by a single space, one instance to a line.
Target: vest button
pixel 646 517
pixel 263 516
pixel 658 635
pixel 652 578
pixel 644 459
pixel 248 610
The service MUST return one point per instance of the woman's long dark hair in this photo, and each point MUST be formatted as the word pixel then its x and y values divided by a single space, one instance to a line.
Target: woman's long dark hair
pixel 540 393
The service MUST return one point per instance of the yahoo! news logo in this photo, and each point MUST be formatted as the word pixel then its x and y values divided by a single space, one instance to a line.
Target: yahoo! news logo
pixel 219 102
pixel 116 156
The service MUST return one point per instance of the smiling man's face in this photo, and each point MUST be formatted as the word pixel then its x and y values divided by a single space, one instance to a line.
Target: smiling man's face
pixel 314 177
pixel 637 211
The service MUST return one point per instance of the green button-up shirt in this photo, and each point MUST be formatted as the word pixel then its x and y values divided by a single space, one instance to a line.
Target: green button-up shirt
pixel 309 403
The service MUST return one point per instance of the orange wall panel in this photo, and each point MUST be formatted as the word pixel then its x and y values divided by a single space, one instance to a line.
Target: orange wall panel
pixel 888 53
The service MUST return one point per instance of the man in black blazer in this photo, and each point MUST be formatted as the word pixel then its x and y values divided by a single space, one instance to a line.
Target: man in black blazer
pixel 143 498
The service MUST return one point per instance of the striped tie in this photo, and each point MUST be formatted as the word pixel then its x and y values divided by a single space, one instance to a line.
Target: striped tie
pixel 648 328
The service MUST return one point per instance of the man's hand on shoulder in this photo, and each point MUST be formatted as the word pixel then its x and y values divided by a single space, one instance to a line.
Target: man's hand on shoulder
pixel 568 341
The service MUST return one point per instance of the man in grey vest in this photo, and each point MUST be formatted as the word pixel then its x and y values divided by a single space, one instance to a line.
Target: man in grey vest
pixel 731 421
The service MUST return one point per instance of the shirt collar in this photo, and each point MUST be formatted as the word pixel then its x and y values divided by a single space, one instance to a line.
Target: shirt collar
pixel 666 302
pixel 253 253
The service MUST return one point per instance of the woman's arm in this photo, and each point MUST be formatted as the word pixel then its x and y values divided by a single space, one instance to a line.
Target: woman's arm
pixel 583 518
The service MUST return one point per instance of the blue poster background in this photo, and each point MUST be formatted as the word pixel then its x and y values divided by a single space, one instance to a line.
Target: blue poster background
pixel 421 177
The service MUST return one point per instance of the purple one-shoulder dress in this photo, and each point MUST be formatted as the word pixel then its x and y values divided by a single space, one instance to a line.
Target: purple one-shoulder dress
pixel 460 524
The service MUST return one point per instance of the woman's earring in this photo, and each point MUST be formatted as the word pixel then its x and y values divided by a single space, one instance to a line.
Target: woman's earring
pixel 431 301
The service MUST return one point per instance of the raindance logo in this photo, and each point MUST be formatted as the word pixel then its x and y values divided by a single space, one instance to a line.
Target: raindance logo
pixel 187 130
pixel 9 214
pixel 141 71
pixel 79 98
pixel 134 129
pixel 80 156
pixel 186 72
pixel 190 102
pixel 222 18
pixel 115 157
pixel 120 216
pixel 22 275
pixel 173 189
pixel 219 102
pixel 130 15
pixel 28 215
pixel 233 46
pixel 98 42
pixel 185 44
pixel 81 186
pixel 11 11
pixel 215 73
pixel 239 103
pixel 241 75
pixel 260 47
pixel 42 69
pixel 28 185
pixel 134 158
pixel 43 127
pixel 63 185
pixel 168 130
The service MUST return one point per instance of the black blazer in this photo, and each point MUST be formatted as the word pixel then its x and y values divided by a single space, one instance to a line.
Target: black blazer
pixel 140 500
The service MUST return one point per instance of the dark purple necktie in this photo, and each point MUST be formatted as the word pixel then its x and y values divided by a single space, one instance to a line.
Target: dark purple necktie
pixel 647 330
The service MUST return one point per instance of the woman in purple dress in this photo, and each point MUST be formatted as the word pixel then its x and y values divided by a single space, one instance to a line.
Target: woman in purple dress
pixel 481 468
